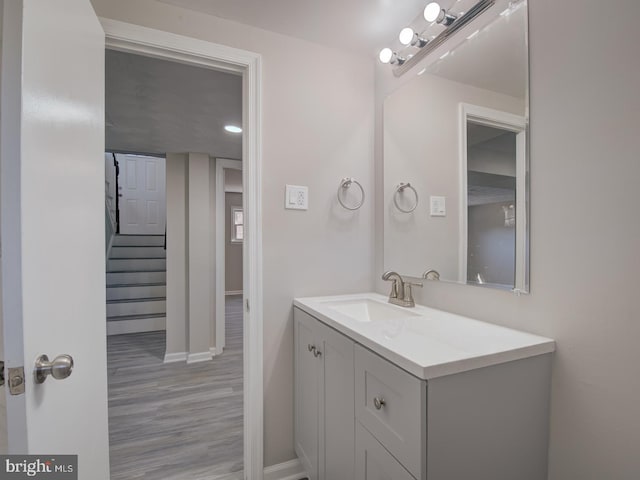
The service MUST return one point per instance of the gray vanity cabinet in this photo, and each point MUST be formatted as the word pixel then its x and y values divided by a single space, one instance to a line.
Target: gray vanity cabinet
pixel 358 416
pixel 324 399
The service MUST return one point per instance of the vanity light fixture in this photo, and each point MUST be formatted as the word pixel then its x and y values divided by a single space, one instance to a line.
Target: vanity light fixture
pixel 414 47
pixel 389 56
pixel 409 37
pixel 435 13
pixel 232 129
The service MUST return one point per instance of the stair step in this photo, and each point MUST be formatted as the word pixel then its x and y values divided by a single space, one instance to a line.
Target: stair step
pixel 132 240
pixel 134 300
pixel 140 306
pixel 122 318
pixel 136 323
pixel 129 278
pixel 137 252
pixel 136 291
pixel 135 264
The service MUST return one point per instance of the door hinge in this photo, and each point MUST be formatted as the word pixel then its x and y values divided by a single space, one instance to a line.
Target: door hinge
pixel 247 303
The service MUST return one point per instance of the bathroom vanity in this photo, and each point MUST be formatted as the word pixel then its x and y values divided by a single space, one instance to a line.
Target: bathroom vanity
pixel 390 393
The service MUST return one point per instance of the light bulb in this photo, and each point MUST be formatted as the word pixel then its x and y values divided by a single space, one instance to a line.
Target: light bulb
pixel 406 35
pixel 232 129
pixel 432 12
pixel 386 54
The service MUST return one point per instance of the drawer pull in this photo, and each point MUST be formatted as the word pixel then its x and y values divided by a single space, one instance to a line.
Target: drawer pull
pixel 379 403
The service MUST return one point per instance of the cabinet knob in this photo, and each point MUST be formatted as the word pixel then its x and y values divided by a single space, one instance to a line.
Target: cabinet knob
pixel 379 402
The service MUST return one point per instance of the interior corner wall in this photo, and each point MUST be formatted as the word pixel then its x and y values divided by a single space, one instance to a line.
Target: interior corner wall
pixel 317 128
pixel 199 257
pixel 190 267
pixel 177 244
pixel 585 233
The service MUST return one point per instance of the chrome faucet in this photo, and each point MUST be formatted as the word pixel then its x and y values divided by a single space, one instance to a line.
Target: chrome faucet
pixel 401 292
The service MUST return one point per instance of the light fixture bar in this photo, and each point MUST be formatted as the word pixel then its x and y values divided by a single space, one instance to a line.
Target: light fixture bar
pixel 460 22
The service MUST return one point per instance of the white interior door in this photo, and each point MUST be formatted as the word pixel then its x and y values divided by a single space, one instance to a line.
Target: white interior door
pixel 143 201
pixel 52 226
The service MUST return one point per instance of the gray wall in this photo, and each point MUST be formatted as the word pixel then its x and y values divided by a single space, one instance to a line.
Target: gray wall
pixel 232 250
pixel 312 135
pixel 585 233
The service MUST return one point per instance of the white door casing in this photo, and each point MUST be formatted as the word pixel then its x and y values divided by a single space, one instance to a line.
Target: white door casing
pixel 52 214
pixel 518 125
pixel 143 207
pixel 136 39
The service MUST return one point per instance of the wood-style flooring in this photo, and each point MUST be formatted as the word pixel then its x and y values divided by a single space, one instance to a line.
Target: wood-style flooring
pixel 176 421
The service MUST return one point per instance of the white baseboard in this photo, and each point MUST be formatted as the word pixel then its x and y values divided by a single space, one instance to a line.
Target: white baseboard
pixel 234 292
pixel 175 357
pixel 291 470
pixel 120 327
pixel 213 351
pixel 199 357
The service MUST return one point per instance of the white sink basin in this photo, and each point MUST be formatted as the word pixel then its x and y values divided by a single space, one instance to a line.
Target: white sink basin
pixel 367 310
pixel 424 341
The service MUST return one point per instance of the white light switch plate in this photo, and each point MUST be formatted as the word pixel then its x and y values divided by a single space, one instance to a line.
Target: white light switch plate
pixel 296 197
pixel 438 206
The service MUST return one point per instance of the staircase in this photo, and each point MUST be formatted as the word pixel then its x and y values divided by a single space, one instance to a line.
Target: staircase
pixel 136 284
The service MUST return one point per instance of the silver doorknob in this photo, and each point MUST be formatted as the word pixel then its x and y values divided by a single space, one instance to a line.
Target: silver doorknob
pixel 60 368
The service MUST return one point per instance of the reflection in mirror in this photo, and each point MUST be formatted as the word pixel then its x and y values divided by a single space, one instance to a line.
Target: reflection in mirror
pixel 457 133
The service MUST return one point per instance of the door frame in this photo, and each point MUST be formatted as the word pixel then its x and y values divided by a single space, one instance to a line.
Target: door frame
pixel 512 123
pixel 222 164
pixel 126 37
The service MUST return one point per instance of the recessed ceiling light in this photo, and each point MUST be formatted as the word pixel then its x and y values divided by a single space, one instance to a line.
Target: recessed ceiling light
pixel 232 129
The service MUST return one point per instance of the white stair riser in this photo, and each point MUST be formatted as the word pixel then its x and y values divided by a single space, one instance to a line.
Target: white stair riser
pixel 136 277
pixel 144 291
pixel 157 240
pixel 137 252
pixel 136 326
pixel 136 264
pixel 136 308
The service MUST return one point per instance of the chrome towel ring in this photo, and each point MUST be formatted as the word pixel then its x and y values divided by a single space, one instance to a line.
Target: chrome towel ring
pixel 344 185
pixel 400 189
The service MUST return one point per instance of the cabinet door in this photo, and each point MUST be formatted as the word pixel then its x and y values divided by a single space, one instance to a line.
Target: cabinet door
pixel 337 416
pixel 374 462
pixel 306 394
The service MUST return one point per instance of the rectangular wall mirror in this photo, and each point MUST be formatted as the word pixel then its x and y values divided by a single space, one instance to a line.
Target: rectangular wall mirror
pixel 456 158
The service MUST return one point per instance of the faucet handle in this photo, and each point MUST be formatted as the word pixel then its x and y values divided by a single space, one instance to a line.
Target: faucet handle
pixel 408 292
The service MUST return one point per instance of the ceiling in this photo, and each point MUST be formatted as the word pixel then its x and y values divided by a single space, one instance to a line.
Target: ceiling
pixel 157 106
pixel 359 26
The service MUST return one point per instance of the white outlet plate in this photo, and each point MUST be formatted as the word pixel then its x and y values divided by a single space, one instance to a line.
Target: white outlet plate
pixel 438 206
pixel 296 197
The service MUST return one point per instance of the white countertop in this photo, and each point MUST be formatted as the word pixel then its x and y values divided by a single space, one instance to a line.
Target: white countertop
pixel 425 342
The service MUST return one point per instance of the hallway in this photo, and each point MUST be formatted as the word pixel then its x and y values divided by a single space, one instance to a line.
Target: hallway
pixel 176 421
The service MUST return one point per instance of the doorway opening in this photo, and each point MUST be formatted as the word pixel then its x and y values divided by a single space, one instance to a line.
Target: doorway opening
pixel 175 396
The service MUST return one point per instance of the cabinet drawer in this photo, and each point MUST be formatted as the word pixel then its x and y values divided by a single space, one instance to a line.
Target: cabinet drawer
pixel 391 404
pixel 373 462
